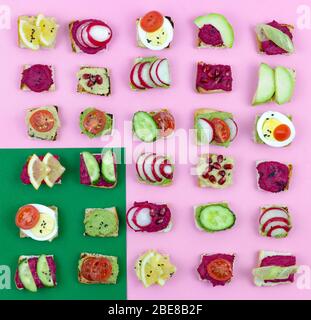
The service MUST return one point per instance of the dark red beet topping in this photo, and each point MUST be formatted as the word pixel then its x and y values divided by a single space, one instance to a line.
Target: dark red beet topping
pixel 268 46
pixel 214 77
pixel 273 176
pixel 38 78
pixel 210 36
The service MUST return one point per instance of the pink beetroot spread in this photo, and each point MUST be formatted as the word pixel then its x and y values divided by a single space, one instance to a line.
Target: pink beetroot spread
pixel 273 176
pixel 214 77
pixel 210 36
pixel 84 175
pixel 280 261
pixel 38 77
pixel 268 46
pixel 205 260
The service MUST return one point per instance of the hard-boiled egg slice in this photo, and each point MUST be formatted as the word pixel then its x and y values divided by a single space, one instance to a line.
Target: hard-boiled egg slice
pixel 275 129
pixel 158 39
pixel 47 226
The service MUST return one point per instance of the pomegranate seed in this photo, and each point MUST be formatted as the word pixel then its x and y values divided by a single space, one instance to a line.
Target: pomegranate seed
pixel 222 173
pixel 212 179
pixel 221 181
pixel 210 168
pixel 220 158
pixel 210 160
pixel 90 83
pixel 228 166
pixel 216 165
pixel 99 79
pixel 205 175
pixel 86 76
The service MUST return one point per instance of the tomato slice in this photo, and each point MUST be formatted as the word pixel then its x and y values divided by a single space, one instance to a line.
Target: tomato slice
pixel 165 122
pixel 220 269
pixel 96 269
pixel 86 268
pixel 282 132
pixel 221 129
pixel 151 21
pixel 94 122
pixel 42 120
pixel 27 217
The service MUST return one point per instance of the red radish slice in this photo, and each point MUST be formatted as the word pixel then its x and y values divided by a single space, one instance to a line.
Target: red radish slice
pixel 274 222
pixel 273 213
pixel 129 219
pixel 143 75
pixel 79 32
pixel 153 73
pixel 156 172
pixel 207 128
pixel 99 33
pixel 278 232
pixel 139 165
pixel 134 77
pixel 233 128
pixel 162 72
pixel 166 169
pixel 147 168
pixel 84 37
pixel 142 217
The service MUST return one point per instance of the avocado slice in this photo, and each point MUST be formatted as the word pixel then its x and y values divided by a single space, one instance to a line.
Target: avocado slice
pixel 266 85
pixel 221 24
pixel 284 84
pixel 26 276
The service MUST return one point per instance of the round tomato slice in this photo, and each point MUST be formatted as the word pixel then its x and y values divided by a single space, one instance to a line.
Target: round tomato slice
pixel 221 129
pixel 220 269
pixel 27 217
pixel 101 269
pixel 86 268
pixel 281 132
pixel 94 122
pixel 165 122
pixel 42 120
pixel 151 21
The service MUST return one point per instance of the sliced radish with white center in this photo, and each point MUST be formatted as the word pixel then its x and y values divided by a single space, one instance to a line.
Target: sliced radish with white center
pixel 166 169
pixel 129 219
pixel 143 75
pixel 99 34
pixel 147 168
pixel 85 39
pixel 79 33
pixel 142 217
pixel 139 166
pixel 153 74
pixel 134 77
pixel 278 232
pixel 206 129
pixel 273 213
pixel 156 168
pixel 163 73
pixel 233 128
pixel 274 222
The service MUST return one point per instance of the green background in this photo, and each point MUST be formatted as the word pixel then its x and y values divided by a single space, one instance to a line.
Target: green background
pixel 71 198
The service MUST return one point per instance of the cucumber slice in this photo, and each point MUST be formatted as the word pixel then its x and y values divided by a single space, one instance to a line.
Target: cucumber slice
pixel 26 277
pixel 145 127
pixel 44 272
pixel 92 167
pixel 108 170
pixel 216 217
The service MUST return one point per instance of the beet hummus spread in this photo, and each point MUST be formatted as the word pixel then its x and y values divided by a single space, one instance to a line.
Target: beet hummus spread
pixel 38 77
pixel 210 36
pixel 273 176
pixel 213 77
pixel 268 46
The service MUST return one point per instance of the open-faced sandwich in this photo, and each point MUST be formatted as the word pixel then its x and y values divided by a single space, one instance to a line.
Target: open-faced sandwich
pixel 35 32
pixel 214 127
pixel 154 169
pixel 94 268
pixel 273 176
pixel 153 267
pixel 276 84
pixel 149 217
pixel 213 78
pixel 98 170
pixel 37 222
pixel 274 221
pixel 214 31
pixel 154 31
pixel 214 217
pixel 275 38
pixel 35 272
pixel 150 72
pixel 94 80
pixel 216 268
pixel 274 129
pixel 89 36
pixel 151 126
pixel 43 123
pixel 101 222
pixel 215 171
pixel 38 78
pixel 42 170
pixel 95 122
pixel 275 268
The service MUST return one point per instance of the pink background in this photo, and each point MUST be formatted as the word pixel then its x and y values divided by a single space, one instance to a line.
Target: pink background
pixel 184 243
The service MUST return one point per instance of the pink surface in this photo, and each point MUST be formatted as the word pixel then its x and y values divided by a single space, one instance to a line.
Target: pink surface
pixel 184 243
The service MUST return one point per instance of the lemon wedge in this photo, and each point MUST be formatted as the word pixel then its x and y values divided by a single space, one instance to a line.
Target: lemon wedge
pixel 48 29
pixel 37 171
pixel 28 34
pixel 55 169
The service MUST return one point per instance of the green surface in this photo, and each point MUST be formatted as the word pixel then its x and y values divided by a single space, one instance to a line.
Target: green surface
pixel 71 198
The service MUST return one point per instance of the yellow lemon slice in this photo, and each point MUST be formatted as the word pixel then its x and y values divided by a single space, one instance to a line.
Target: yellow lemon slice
pixel 37 171
pixel 28 34
pixel 55 169
pixel 48 30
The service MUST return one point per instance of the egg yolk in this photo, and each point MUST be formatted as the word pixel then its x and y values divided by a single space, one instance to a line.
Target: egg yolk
pixel 281 132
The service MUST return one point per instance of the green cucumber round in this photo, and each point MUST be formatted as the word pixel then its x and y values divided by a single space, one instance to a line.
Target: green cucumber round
pixel 144 127
pixel 108 169
pixel 92 167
